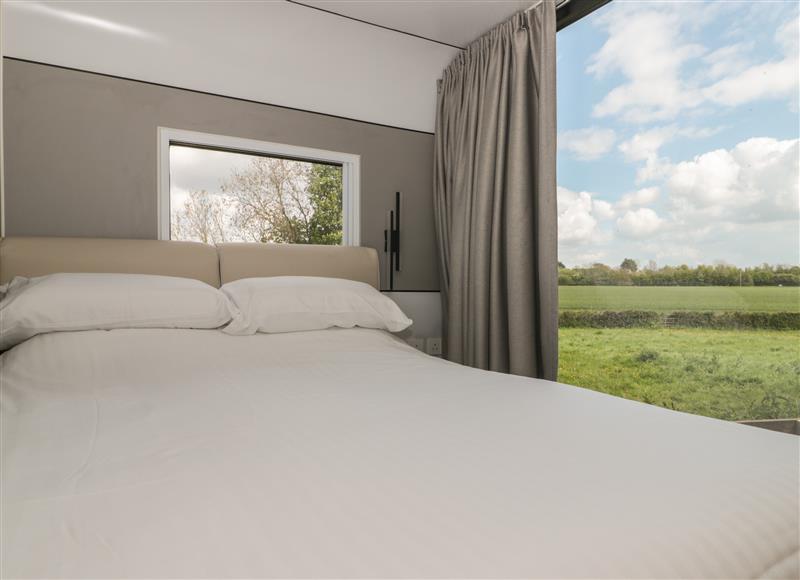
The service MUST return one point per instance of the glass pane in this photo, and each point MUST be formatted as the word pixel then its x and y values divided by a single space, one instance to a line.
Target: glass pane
pixel 679 231
pixel 222 196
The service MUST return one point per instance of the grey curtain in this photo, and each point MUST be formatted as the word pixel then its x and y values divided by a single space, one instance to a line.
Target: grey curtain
pixel 495 198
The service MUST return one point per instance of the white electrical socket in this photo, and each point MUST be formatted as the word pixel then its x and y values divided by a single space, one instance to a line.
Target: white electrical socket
pixel 418 343
pixel 434 346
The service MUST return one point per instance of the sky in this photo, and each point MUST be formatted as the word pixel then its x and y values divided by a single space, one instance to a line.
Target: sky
pixel 193 169
pixel 679 134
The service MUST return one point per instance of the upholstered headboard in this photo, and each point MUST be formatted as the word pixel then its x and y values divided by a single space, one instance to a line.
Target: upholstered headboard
pixel 34 256
pixel 37 256
pixel 242 260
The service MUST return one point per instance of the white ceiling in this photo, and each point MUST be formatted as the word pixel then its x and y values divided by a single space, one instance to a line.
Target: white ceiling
pixel 274 52
pixel 284 53
pixel 455 22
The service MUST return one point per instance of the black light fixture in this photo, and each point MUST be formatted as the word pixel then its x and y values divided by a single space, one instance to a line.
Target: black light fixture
pixel 391 240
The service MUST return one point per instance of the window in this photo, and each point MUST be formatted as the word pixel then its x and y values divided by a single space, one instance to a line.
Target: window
pixel 678 206
pixel 225 189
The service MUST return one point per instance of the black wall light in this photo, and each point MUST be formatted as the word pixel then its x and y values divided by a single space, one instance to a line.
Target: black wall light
pixel 391 240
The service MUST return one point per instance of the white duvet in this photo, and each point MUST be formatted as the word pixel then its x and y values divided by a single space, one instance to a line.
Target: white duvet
pixel 346 453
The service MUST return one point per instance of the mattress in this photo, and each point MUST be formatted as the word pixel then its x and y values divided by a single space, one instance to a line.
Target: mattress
pixel 348 454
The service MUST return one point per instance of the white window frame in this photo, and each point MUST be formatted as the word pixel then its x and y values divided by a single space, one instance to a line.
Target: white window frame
pixel 351 172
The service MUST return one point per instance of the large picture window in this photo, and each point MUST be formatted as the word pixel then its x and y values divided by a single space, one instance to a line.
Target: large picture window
pixel 679 225
pixel 223 189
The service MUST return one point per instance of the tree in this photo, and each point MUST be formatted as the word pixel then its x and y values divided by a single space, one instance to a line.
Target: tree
pixel 561 265
pixel 286 201
pixel 270 203
pixel 325 193
pixel 701 275
pixel 629 265
pixel 201 219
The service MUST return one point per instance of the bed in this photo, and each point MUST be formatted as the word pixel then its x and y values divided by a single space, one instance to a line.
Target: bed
pixel 345 453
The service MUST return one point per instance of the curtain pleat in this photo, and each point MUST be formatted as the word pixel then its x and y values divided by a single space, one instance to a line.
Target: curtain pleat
pixel 495 198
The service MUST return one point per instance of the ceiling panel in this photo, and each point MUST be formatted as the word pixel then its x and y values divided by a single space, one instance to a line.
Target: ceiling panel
pixel 455 22
pixel 273 52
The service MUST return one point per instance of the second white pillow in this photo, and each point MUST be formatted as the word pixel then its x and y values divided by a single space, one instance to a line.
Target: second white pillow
pixel 296 303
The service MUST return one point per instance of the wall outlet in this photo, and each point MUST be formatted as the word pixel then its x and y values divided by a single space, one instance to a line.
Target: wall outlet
pixel 433 346
pixel 418 343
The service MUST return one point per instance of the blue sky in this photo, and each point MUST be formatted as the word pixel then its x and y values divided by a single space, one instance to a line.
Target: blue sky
pixel 678 133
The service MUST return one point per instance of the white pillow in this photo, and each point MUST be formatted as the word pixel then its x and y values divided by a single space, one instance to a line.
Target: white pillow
pixel 293 303
pixel 62 302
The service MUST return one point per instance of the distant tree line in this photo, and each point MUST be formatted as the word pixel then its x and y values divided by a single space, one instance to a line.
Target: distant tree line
pixel 629 274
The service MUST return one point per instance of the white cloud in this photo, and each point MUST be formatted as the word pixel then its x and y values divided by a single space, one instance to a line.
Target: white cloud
pixel 589 143
pixel 579 215
pixel 707 181
pixel 647 45
pixel 741 205
pixel 639 223
pixel 647 143
pixel 193 169
pixel 719 205
pixel 757 180
pixel 588 258
pixel 654 168
pixel 671 251
pixel 699 132
pixel 602 209
pixel 728 60
pixel 638 198
pixel 645 146
pixel 769 80
pixel 788 36
pixel 647 48
pixel 576 224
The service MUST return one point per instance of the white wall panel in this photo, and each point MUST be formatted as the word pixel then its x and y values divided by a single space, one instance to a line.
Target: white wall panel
pixel 274 52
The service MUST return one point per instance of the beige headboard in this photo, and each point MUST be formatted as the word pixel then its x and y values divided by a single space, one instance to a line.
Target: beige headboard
pixel 242 260
pixel 36 256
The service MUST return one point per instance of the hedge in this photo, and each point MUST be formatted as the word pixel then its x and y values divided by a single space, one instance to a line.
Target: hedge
pixel 737 320
pixel 681 319
pixel 610 319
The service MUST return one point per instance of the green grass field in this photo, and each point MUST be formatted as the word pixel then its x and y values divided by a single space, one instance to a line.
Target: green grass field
pixel 731 375
pixel 670 298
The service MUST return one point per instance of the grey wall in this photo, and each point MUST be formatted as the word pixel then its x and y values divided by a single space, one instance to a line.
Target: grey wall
pixel 80 157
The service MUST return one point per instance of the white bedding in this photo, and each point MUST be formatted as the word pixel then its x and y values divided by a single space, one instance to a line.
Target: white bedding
pixel 346 453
